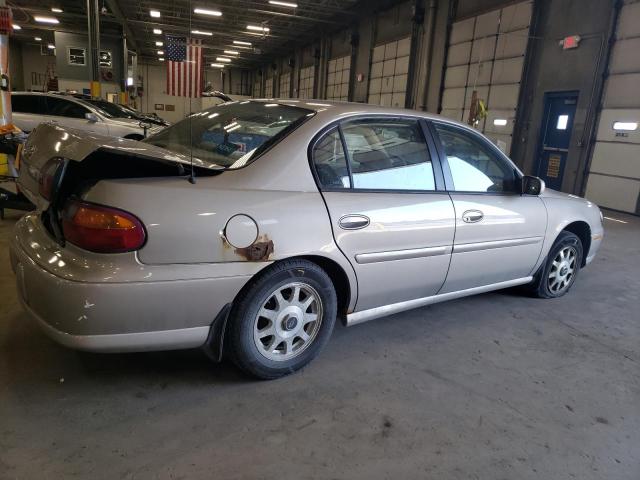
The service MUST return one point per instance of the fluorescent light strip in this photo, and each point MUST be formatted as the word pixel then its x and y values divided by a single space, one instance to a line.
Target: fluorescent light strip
pixel 223 59
pixel 157 31
pixel 283 4
pixel 56 10
pixel 154 13
pixel 16 27
pixel 499 122
pixel 238 42
pixel 231 52
pixel 256 28
pixel 161 59
pixel 201 32
pixel 159 44
pixel 217 65
pixel 37 39
pixel 624 126
pixel 160 52
pixel 52 20
pixel 206 11
pixel 51 46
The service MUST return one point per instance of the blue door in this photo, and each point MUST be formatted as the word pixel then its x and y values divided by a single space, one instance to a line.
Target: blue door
pixel 557 122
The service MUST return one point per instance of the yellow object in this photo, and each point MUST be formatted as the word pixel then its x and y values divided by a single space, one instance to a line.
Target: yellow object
pixel 16 162
pixel 124 100
pixel 4 164
pixel 95 89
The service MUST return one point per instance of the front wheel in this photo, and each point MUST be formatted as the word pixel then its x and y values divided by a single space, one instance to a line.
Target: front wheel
pixel 558 273
pixel 283 319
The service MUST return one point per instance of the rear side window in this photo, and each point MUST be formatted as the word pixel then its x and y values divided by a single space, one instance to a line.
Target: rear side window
pixel 388 154
pixel 65 108
pixel 330 162
pixel 28 104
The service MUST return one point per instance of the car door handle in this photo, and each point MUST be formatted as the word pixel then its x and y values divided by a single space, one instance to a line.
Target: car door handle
pixel 353 222
pixel 472 216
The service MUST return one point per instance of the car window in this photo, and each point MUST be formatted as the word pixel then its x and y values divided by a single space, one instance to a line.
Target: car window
pixel 330 162
pixel 388 154
pixel 28 104
pixel 64 108
pixel 474 166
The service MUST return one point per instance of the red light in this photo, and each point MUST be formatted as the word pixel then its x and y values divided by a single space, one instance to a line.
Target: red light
pixel 571 41
pixel 101 229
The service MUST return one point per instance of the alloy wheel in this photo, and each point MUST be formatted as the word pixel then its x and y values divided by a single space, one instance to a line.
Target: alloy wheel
pixel 563 270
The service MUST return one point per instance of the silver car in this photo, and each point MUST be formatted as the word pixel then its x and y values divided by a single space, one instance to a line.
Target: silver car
pixel 32 108
pixel 253 225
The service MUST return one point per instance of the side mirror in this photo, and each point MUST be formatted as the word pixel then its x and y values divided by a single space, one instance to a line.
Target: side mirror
pixel 91 117
pixel 532 185
pixel 145 125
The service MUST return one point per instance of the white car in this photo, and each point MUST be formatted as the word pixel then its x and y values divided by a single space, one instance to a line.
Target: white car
pixel 33 108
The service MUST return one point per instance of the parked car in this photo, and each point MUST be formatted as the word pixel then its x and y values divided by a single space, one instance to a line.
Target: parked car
pixel 123 111
pixel 32 108
pixel 255 224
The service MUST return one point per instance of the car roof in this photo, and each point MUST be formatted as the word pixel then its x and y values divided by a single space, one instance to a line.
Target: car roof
pixel 337 109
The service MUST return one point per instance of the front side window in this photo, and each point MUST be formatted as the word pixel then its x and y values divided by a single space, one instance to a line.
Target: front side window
pixel 231 135
pixel 330 162
pixel 64 108
pixel 474 166
pixel 28 104
pixel 388 154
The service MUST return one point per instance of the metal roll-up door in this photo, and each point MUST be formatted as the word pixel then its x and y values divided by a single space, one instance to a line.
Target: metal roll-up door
pixel 307 77
pixel 257 86
pixel 338 72
pixel 614 174
pixel 285 83
pixel 486 55
pixel 268 87
pixel 389 72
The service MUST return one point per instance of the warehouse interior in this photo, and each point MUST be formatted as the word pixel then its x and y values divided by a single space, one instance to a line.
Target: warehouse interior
pixel 492 386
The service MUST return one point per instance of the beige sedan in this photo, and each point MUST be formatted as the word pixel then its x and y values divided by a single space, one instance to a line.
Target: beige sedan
pixel 253 225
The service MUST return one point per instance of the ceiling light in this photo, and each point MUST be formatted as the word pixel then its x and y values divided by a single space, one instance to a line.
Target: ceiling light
pixel 625 126
pixel 283 4
pixel 56 10
pixel 158 44
pixel 257 28
pixel 499 122
pixel 223 59
pixel 231 52
pixel 16 27
pixel 157 31
pixel 154 13
pixel 217 65
pixel 201 32
pixel 161 59
pixel 206 11
pixel 51 46
pixel 41 19
pixel 160 52
pixel 129 81
pixel 239 42
pixel 37 39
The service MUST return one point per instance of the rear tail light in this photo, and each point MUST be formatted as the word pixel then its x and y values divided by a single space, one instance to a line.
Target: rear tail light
pixel 101 229
pixel 50 177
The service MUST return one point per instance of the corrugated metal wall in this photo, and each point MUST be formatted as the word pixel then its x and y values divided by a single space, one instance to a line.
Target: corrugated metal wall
pixel 614 175
pixel 486 54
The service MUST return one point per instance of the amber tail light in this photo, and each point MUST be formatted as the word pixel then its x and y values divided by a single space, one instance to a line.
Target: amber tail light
pixel 101 229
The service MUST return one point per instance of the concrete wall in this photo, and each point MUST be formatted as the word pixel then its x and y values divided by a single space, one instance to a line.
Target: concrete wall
pixel 34 65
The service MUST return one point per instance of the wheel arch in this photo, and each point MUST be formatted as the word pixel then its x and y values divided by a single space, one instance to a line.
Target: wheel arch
pixel 582 230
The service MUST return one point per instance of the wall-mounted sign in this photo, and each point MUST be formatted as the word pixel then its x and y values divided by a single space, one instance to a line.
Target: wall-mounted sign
pixel 158 106
pixel 106 59
pixel 170 108
pixel 76 56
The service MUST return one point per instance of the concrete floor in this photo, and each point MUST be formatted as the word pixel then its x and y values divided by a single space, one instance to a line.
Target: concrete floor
pixel 492 387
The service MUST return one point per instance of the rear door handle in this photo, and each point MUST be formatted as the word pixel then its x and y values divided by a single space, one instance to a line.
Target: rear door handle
pixel 353 221
pixel 472 216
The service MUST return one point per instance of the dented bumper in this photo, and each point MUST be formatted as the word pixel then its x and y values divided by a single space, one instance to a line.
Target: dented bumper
pixel 113 302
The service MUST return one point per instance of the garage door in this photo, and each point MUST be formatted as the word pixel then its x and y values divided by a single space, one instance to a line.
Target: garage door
pixel 285 83
pixel 486 54
pixel 268 87
pixel 338 73
pixel 614 175
pixel 257 86
pixel 307 76
pixel 388 74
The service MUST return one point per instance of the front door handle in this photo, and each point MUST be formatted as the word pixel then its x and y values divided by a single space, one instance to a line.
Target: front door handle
pixel 353 221
pixel 472 216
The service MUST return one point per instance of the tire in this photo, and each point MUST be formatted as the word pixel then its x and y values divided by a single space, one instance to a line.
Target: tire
pixel 271 328
pixel 552 280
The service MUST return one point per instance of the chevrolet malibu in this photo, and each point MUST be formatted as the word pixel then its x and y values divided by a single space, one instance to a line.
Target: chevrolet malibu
pixel 250 227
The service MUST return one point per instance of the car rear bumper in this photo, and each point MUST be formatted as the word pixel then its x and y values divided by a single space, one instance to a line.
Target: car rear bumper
pixel 84 312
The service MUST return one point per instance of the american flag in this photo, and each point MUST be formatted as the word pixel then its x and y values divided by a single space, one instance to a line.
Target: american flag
pixel 184 66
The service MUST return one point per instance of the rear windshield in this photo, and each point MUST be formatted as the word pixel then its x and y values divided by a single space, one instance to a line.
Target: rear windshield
pixel 231 135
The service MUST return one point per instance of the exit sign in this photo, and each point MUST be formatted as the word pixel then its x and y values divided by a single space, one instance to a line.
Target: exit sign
pixel 572 41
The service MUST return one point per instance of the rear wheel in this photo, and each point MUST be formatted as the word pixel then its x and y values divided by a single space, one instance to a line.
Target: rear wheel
pixel 283 319
pixel 558 273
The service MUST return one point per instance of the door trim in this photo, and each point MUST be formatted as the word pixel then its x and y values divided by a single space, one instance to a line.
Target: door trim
pixel 387 256
pixel 373 313
pixel 512 242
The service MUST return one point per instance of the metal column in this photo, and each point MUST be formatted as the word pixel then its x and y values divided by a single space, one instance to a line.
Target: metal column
pixel 93 25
